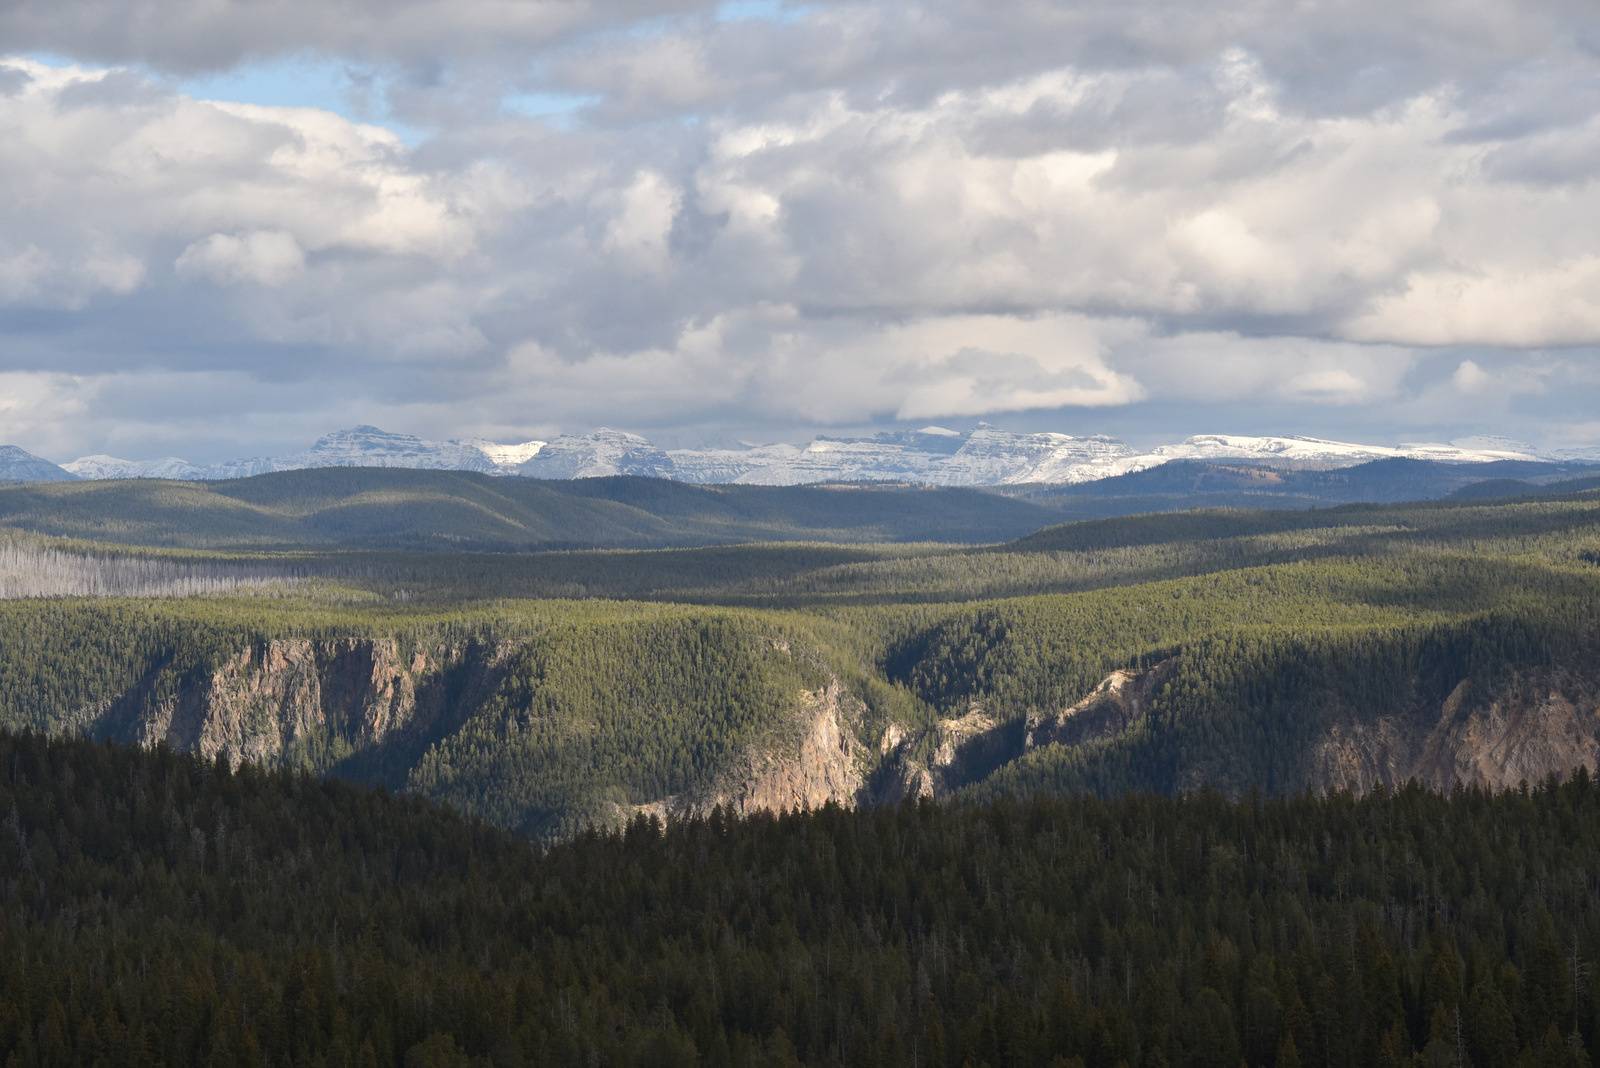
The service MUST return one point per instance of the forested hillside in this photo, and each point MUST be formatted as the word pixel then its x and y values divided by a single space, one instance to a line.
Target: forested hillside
pixel 458 510
pixel 1336 648
pixel 1184 485
pixel 163 909
pixel 451 511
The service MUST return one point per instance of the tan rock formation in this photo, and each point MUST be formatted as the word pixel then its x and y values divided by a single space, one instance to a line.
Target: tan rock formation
pixel 343 694
pixel 1525 731
pixel 1122 699
pixel 965 748
pixel 267 697
pixel 821 762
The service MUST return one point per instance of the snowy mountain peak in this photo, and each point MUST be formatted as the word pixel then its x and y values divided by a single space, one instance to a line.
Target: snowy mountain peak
pixel 933 455
pixel 1509 448
pixel 505 456
pixel 359 446
pixel 23 466
pixel 367 446
pixel 97 467
pixel 596 455
pixel 1318 452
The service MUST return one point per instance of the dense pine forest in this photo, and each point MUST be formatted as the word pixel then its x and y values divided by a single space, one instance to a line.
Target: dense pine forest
pixel 162 909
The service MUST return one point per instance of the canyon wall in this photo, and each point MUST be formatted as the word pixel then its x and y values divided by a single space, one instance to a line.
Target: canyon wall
pixel 372 707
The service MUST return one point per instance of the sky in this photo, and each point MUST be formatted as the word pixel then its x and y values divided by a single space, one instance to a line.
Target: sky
pixel 230 226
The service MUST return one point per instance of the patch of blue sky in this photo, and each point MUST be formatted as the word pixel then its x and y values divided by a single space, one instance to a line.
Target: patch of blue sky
pixel 762 10
pixel 556 109
pixel 290 82
pixel 296 82
pixel 49 59
pixel 303 82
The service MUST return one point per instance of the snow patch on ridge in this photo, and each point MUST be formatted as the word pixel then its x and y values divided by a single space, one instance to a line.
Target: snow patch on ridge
pixel 984 456
pixel 93 467
pixel 597 455
pixel 504 456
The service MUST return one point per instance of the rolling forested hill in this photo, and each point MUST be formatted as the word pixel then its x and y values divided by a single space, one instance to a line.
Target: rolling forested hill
pixel 1180 485
pixel 1327 648
pixel 460 510
pixel 453 511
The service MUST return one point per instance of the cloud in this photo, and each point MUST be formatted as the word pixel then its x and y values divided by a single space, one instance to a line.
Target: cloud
pixel 265 257
pixel 1209 367
pixel 121 195
pixel 42 408
pixel 1496 304
pixel 1469 377
pixel 978 365
pixel 204 35
pixel 643 223
pixel 825 215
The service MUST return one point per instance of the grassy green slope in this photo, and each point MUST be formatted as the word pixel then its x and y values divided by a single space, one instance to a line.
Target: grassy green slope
pixel 1061 559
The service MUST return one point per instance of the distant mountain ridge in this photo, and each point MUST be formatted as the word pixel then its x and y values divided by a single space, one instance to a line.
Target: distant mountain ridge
pixel 17 465
pixel 362 446
pixel 983 456
pixel 397 508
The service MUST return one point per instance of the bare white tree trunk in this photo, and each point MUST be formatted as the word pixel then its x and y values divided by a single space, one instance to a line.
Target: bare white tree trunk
pixel 31 568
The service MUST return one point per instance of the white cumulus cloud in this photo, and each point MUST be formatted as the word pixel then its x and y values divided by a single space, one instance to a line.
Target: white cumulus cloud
pixel 265 257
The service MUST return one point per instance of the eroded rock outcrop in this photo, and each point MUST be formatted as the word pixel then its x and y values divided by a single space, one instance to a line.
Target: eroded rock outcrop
pixel 340 695
pixel 372 707
pixel 965 748
pixel 959 750
pixel 1524 730
pixel 823 767
pixel 265 698
pixel 1122 699
pixel 820 761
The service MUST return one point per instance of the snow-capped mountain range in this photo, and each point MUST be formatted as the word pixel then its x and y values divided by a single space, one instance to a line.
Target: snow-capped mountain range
pixel 983 456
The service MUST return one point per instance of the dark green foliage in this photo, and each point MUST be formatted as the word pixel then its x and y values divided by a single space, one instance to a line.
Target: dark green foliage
pixel 1032 653
pixel 581 709
pixel 1081 556
pixel 159 909
pixel 592 718
pixel 1242 710
pixel 63 663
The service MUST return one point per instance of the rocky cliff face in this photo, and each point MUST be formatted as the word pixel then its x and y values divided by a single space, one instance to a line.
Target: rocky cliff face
pixel 825 766
pixel 965 748
pixel 1522 729
pixel 1122 699
pixel 266 698
pixel 821 761
pixel 274 698
pixel 315 702
pixel 1526 729
pixel 958 750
